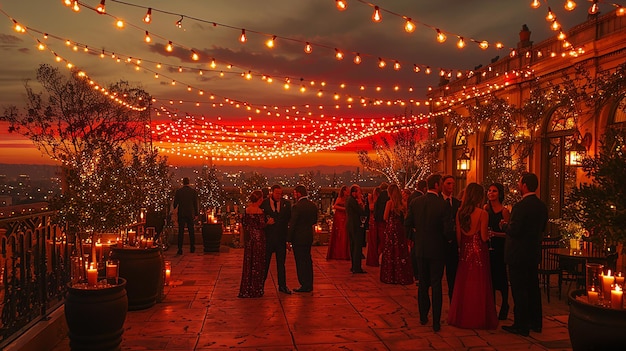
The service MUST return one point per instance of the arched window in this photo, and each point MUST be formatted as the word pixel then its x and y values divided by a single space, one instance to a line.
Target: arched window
pixel 459 151
pixel 497 155
pixel 620 111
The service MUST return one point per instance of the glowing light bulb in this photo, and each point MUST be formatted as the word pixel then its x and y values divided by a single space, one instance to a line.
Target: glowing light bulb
pixel 357 58
pixel 194 56
pixel 179 23
pixel 147 38
pixel 535 4
pixel 409 27
pixel 555 26
pixel 18 27
pixel 381 63
pixel 213 64
pixel 148 17
pixel 416 68
pixel 570 5
pixel 376 17
pixel 75 6
pixel 440 36
pixel 341 5
pixel 338 54
pixel 243 38
pixel 40 45
pixel 270 42
pixel 308 48
pixel 396 66
pixel 67 2
pixel 428 70
pixel 621 11
pixel 169 47
pixel 594 8
pixel 119 24
pixel 550 17
pixel 499 45
pixel 101 9
pixel 484 45
pixel 461 43
pixel 561 36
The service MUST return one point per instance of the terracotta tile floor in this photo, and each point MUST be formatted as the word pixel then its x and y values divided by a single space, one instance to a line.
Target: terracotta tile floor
pixel 201 311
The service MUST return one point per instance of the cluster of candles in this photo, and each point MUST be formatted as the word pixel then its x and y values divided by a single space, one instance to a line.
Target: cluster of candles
pixel 210 216
pixel 611 291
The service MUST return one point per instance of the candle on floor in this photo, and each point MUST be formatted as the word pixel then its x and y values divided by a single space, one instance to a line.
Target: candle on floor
pixel 607 281
pixel 593 296
pixel 92 275
pixel 619 279
pixel 617 298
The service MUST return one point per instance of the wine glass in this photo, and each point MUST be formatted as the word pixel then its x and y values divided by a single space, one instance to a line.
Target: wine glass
pixel 489 234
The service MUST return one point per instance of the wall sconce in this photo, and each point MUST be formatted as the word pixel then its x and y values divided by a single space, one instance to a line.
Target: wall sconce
pixel 463 163
pixel 576 153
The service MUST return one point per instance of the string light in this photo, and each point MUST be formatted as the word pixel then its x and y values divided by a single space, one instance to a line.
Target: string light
pixel 308 48
pixel 461 43
pixel 550 17
pixel 270 42
pixel 484 45
pixel 119 24
pixel 148 17
pixel 409 27
pixel 440 36
pixel 381 63
pixel 620 10
pixel 555 26
pixel 147 37
pixel 357 59
pixel 535 4
pixel 75 6
pixel 376 17
pixel 101 9
pixel 338 54
pixel 342 5
pixel 194 56
pixel 18 27
pixel 396 66
pixel 594 8
pixel 570 5
pixel 179 23
pixel 169 47
pixel 242 37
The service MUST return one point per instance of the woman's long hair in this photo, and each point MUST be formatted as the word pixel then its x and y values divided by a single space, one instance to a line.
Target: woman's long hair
pixel 395 195
pixel 500 188
pixel 472 198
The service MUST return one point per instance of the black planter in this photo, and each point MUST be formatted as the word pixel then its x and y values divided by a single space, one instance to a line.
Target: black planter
pixel 142 268
pixel 211 237
pixel 95 317
pixel 594 327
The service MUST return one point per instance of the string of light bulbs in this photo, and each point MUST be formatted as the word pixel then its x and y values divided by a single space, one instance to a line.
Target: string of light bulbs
pixel 594 8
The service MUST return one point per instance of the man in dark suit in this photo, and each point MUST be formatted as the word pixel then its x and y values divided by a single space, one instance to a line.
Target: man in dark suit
pixel 379 220
pixel 522 254
pixel 452 247
pixel 300 236
pixel 420 189
pixel 355 209
pixel 428 215
pixel 186 201
pixel 279 210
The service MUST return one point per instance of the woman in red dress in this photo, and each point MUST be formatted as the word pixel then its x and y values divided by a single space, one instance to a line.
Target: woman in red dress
pixel 396 266
pixel 339 243
pixel 253 274
pixel 472 304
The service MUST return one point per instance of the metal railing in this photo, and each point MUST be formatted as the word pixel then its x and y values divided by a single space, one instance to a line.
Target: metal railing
pixel 34 271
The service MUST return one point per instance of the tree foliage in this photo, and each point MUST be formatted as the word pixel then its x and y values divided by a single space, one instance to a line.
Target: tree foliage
pixel 210 189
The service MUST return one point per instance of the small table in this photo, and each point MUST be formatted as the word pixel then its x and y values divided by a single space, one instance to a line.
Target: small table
pixel 572 262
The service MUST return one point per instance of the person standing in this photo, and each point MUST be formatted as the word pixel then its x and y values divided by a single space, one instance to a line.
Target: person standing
pixel 186 202
pixel 472 305
pixel 355 226
pixel 278 212
pixel 395 265
pixel 498 213
pixel 300 236
pixel 339 246
pixel 373 255
pixel 452 248
pixel 429 216
pixel 253 224
pixel 522 254
pixel 379 221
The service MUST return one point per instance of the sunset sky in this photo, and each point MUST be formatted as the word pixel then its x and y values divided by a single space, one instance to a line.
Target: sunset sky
pixel 212 30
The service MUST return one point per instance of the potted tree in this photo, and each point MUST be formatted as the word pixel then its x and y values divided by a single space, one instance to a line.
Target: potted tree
pixel 601 208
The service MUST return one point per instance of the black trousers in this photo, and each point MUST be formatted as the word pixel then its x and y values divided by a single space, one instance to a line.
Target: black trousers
pixel 526 296
pixel 452 263
pixel 430 274
pixel 356 249
pixel 304 265
pixel 182 222
pixel 276 244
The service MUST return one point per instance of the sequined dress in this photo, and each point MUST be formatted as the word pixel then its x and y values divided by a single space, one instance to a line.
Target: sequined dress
pixel 472 304
pixel 339 243
pixel 253 274
pixel 396 266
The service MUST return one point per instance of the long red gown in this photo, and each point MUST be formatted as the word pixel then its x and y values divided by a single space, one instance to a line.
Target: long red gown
pixel 253 273
pixel 339 243
pixel 396 266
pixel 472 305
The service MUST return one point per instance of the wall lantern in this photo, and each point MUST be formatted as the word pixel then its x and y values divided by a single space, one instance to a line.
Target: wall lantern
pixel 576 153
pixel 463 163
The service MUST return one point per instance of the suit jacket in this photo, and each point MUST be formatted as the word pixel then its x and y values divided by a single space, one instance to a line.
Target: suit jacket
pixel 186 200
pixel 303 217
pixel 524 232
pixel 451 226
pixel 429 216
pixel 281 219
pixel 379 206
pixel 353 217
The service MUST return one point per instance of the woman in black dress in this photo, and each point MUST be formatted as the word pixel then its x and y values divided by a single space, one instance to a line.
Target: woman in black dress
pixel 497 212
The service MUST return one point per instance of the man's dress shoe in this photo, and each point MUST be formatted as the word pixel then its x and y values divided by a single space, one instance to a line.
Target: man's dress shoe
pixel 285 290
pixel 301 289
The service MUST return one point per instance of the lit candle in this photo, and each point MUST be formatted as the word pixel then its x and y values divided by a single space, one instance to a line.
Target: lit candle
pixel 607 281
pixel 99 249
pixel 168 272
pixel 593 296
pixel 617 297
pixel 111 270
pixel 619 279
pixel 92 275
pixel 149 243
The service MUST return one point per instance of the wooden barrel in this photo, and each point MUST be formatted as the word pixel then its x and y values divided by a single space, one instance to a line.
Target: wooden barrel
pixel 95 317
pixel 142 270
pixel 211 237
pixel 593 327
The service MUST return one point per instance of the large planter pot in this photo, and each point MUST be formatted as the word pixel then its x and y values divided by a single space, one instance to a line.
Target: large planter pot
pixel 142 268
pixel 211 237
pixel 95 316
pixel 593 327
